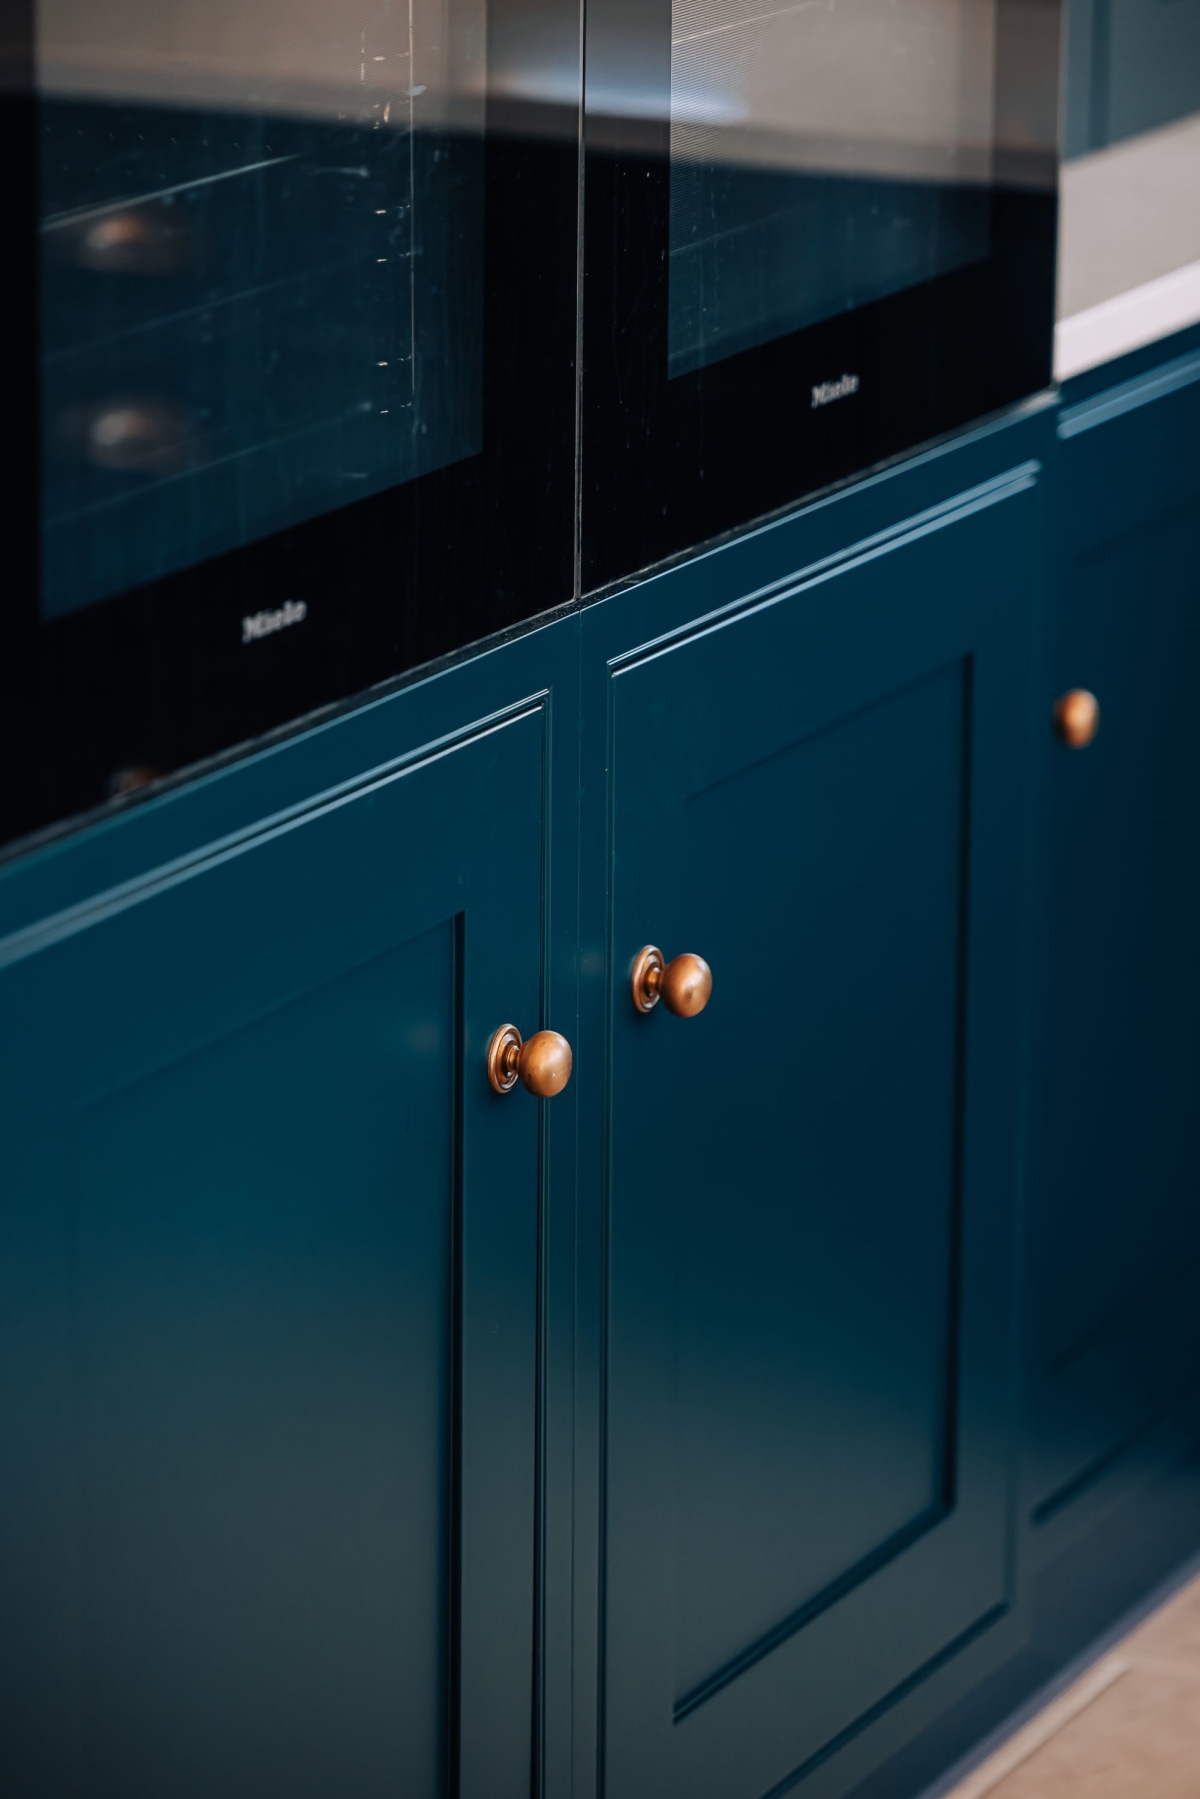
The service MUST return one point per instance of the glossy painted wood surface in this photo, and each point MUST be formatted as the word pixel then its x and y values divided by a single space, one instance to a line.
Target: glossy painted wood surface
pixel 811 1188
pixel 751 1459
pixel 271 1262
pixel 1130 65
pixel 1115 1223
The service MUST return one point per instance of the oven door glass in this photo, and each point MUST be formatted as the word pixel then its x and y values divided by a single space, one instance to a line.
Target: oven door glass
pixel 305 384
pixel 818 234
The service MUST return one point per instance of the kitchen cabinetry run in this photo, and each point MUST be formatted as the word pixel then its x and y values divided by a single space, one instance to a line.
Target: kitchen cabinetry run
pixel 715 1429
pixel 269 1304
pixel 1115 1226
pixel 810 1189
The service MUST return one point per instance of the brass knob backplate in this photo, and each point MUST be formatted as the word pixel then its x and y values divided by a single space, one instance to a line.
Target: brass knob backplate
pixel 684 985
pixel 542 1065
pixel 1077 717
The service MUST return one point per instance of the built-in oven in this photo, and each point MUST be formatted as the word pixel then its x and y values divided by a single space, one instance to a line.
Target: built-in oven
pixel 307 405
pixel 301 367
pixel 818 233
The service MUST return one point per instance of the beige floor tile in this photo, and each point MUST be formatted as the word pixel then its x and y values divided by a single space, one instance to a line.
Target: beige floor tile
pixel 1021 1745
pixel 1139 1739
pixel 1172 1635
pixel 1128 1728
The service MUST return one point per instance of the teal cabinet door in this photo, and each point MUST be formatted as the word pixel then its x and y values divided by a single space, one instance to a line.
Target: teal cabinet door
pixel 268 1305
pixel 1129 66
pixel 811 1187
pixel 1115 1228
pixel 1151 72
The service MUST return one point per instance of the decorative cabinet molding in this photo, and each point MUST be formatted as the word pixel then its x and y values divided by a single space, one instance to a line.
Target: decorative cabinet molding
pixel 811 1189
pixel 271 1262
pixel 1114 1221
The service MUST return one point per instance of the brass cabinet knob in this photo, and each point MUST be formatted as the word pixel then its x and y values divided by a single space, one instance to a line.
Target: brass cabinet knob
pixel 684 985
pixel 543 1065
pixel 1077 717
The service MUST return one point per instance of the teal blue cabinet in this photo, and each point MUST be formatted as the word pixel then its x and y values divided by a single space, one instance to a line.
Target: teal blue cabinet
pixel 269 1288
pixel 1152 72
pixel 699 1435
pixel 810 1193
pixel 1115 1219
pixel 1130 66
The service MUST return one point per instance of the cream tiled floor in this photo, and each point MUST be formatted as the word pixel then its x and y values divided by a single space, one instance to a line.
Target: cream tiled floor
pixel 1128 1729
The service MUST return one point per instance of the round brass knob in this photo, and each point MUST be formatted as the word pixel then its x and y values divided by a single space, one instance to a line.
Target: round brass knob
pixel 542 1065
pixel 684 985
pixel 1077 717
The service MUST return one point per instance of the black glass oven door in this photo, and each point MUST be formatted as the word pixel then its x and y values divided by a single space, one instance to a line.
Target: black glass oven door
pixel 817 234
pixel 305 375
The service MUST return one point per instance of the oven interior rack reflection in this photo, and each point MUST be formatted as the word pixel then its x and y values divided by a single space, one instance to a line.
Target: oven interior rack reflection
pixel 235 307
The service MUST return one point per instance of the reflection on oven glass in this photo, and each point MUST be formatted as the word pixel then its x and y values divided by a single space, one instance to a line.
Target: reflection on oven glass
pixel 824 154
pixel 261 283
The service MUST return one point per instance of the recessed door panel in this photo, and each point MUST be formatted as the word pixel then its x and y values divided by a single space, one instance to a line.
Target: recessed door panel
pixel 263 1248
pixel 268 1353
pixel 812 1184
pixel 814 1206
pixel 1115 1233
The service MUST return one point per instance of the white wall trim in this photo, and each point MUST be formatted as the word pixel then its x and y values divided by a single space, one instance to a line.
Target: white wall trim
pixel 1127 322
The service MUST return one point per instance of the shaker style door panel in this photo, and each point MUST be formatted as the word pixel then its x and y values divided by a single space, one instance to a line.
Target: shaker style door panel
pixel 268 1349
pixel 1115 1223
pixel 811 1184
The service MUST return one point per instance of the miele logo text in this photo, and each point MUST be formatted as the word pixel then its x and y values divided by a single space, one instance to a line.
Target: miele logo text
pixel 835 390
pixel 261 624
